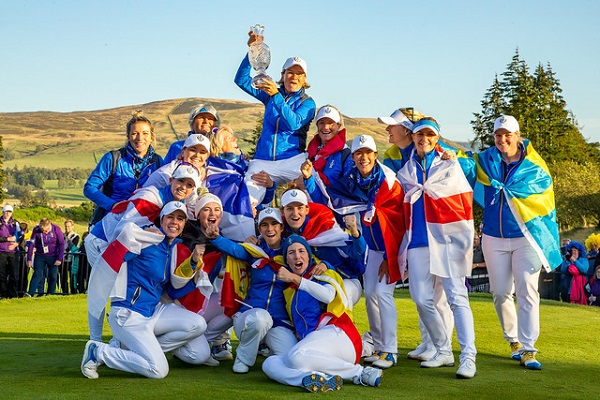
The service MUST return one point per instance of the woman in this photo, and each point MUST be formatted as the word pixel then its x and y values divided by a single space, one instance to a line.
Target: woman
pixel 573 270
pixel 280 149
pixel 372 189
pixel 439 244
pixel 120 172
pixel 595 288
pixel 328 154
pixel 143 326
pixel 226 172
pixel 48 241
pixel 519 235
pixel 320 312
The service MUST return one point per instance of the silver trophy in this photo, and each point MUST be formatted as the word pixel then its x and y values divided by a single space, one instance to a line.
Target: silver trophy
pixel 259 55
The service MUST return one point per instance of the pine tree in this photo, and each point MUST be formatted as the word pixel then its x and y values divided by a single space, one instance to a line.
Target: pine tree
pixel 492 105
pixel 255 135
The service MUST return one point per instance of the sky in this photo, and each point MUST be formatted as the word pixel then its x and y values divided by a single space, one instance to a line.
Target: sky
pixel 367 58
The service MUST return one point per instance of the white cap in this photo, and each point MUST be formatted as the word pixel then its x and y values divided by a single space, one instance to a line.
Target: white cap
pixel 507 122
pixel 195 139
pixel 270 213
pixel 364 141
pixel 397 118
pixel 328 112
pixel 7 207
pixel 204 200
pixel 173 206
pixel 204 108
pixel 186 170
pixel 290 62
pixel 294 196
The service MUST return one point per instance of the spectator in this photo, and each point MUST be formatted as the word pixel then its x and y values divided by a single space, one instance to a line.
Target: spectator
pixel 592 243
pixel 203 119
pixel 24 241
pixel 281 146
pixel 120 172
pixel 10 233
pixel 320 312
pixel 80 271
pixel 71 246
pixel 563 245
pixel 574 269
pixel 594 287
pixel 48 242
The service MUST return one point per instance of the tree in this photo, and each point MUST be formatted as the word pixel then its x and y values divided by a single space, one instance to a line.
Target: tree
pixel 255 135
pixel 492 105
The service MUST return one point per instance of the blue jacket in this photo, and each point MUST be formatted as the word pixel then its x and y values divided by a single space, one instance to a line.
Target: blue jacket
pixel 286 119
pixel 335 168
pixel 265 290
pixel 125 181
pixel 306 311
pixel 147 275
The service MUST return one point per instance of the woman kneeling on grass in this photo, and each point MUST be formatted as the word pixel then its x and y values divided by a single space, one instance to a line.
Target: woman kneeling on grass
pixel 319 309
pixel 144 327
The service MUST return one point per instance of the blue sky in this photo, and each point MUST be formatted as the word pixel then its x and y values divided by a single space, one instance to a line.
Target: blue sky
pixel 365 57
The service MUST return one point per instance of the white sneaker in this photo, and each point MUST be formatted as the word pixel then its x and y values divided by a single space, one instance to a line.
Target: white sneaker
pixel 414 355
pixel 211 362
pixel 369 377
pixel 439 360
pixel 239 367
pixel 466 369
pixel 89 363
pixel 427 354
pixel 372 358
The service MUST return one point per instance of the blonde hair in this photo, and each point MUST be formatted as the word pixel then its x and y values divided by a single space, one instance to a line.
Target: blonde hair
pixel 138 116
pixel 412 114
pixel 218 139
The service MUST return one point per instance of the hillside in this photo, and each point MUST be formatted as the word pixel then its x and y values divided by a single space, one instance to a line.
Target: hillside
pixel 78 139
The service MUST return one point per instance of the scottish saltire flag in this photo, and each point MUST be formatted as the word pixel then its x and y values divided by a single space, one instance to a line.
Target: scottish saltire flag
pixel 108 278
pixel 382 205
pixel 448 201
pixel 529 193
pixel 225 180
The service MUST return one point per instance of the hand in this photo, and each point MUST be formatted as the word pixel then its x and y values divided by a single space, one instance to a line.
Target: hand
pixel 212 231
pixel 199 250
pixel 268 86
pixel 592 298
pixel 319 269
pixel 29 264
pixel 299 182
pixel 384 271
pixel 306 169
pixel 262 178
pixel 252 38
pixel 11 239
pixel 253 240
pixel 449 155
pixel 12 246
pixel 350 221
pixel 57 262
pixel 285 275
pixel 153 230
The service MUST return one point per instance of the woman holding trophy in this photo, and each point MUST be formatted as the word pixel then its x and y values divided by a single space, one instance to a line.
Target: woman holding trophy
pixel 280 150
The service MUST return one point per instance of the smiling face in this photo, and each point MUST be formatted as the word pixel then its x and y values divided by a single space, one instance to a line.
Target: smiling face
pixel 295 214
pixel 140 137
pixel 203 123
pixel 172 224
pixel 230 144
pixel 507 142
pixel 399 135
pixel 425 141
pixel 271 230
pixel 294 79
pixel 365 160
pixel 209 215
pixel 181 187
pixel 297 258
pixel 195 155
pixel 327 129
pixel 68 227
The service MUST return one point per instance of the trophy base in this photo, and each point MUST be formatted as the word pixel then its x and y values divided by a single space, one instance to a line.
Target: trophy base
pixel 260 79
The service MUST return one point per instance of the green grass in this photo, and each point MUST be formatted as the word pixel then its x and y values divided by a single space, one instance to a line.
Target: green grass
pixel 42 340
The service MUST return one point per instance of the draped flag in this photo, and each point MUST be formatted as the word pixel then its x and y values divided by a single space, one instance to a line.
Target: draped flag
pixel 108 278
pixel 322 229
pixel 448 201
pixel 225 180
pixel 529 193
pixel 197 299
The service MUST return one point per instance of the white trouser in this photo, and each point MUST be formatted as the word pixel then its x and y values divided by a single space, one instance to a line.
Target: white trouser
pixel 182 332
pixel 381 308
pixel 280 171
pixel 94 248
pixel 513 263
pixel 353 291
pixel 421 283
pixel 254 326
pixel 217 322
pixel 315 353
pixel 441 305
